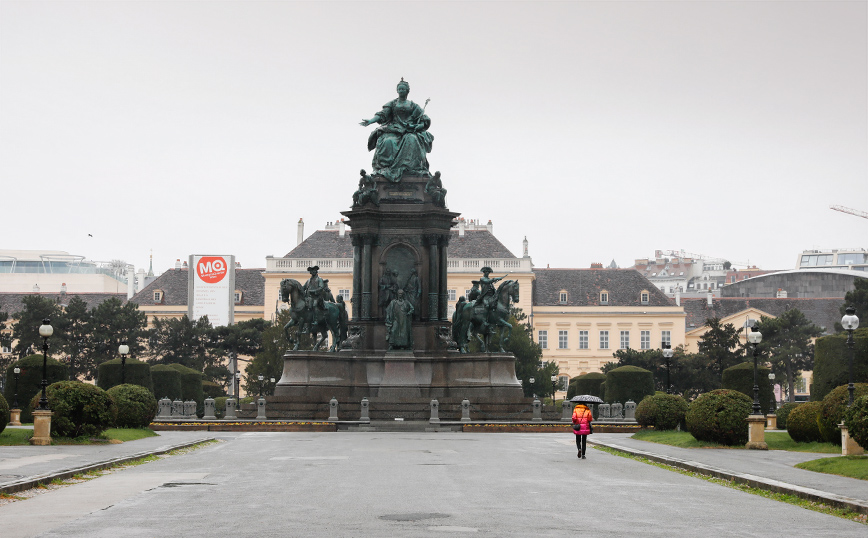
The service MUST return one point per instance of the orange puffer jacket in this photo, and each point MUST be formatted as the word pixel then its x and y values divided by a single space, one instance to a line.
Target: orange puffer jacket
pixel 582 416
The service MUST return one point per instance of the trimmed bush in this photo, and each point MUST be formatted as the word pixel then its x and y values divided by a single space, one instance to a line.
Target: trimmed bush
pixel 80 409
pixel 831 362
pixel 30 379
pixel 783 412
pixel 135 373
pixel 628 383
pixel 802 423
pixel 662 411
pixel 832 410
pixel 137 407
pixel 740 378
pixel 856 420
pixel 212 390
pixel 719 416
pixel 587 384
pixel 167 382
pixel 4 413
pixel 191 386
pixel 220 406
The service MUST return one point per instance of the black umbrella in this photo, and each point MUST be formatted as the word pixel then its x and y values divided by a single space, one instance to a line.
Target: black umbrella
pixel 586 398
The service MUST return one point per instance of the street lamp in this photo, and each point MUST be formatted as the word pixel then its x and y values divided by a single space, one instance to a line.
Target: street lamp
pixel 755 337
pixel 124 350
pixel 774 404
pixel 261 379
pixel 45 331
pixel 272 386
pixel 237 391
pixel 16 371
pixel 531 381
pixel 554 388
pixel 850 322
pixel 667 354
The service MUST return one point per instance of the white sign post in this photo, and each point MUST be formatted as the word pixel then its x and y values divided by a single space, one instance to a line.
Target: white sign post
pixel 211 290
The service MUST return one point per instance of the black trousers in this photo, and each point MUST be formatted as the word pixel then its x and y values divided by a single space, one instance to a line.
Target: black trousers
pixel 581 443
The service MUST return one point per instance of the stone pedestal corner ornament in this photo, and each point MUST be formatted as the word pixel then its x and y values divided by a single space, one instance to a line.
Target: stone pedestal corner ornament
pixel 15 417
pixel 260 409
pixel 756 432
pixel 41 427
pixel 177 408
pixel 603 410
pixel 230 409
pixel 465 410
pixel 190 409
pixel 630 410
pixel 364 415
pixel 333 409
pixel 616 411
pixel 771 422
pixel 435 412
pixel 566 411
pixel 210 408
pixel 165 408
pixel 849 447
pixel 537 410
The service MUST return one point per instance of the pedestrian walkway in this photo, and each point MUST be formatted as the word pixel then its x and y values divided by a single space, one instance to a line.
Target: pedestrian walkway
pixel 23 467
pixel 772 470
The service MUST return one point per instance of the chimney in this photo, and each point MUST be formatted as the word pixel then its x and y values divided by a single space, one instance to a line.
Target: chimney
pixel 342 228
pixel 678 297
pixel 460 227
pixel 709 297
pixel 178 264
pixel 782 294
pixel 140 280
pixel 300 237
pixel 596 265
pixel 63 288
pixel 524 248
pixel 490 227
pixel 131 281
pixel 36 288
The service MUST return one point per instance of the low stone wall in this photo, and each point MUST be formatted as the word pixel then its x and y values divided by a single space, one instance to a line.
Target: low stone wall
pixel 245 426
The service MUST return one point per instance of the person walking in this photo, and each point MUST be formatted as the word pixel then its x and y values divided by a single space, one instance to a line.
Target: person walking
pixel 582 419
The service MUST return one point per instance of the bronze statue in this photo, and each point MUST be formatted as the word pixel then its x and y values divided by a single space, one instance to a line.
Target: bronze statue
pixel 476 318
pixel 402 142
pixel 333 318
pixel 413 289
pixel 314 291
pixel 399 323
pixel 486 287
pixel 434 188
pixel 388 286
pixel 367 191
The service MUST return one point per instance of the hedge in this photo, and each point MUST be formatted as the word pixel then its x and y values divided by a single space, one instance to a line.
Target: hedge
pixel 719 416
pixel 662 411
pixel 79 409
pixel 212 390
pixel 783 412
pixel 628 383
pixel 832 410
pixel 586 384
pixel 167 382
pixel 137 407
pixel 832 359
pixel 135 373
pixel 4 413
pixel 30 379
pixel 191 386
pixel 856 420
pixel 802 423
pixel 740 378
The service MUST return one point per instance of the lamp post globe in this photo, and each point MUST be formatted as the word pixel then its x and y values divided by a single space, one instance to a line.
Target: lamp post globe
pixel 850 322
pixel 123 351
pixel 667 354
pixel 45 331
pixel 755 337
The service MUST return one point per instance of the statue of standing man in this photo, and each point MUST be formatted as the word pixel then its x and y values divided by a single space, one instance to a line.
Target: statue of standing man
pixel 399 323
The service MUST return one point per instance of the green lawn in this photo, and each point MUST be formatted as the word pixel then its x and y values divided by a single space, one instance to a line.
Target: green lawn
pixel 775 440
pixel 852 466
pixel 15 436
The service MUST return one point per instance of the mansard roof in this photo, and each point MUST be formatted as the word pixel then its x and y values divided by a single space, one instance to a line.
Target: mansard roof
pixel 330 244
pixel 174 285
pixel 583 287
pixel 822 312
pixel 11 303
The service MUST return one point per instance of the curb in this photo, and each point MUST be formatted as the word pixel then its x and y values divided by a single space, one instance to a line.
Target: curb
pixel 831 499
pixel 33 481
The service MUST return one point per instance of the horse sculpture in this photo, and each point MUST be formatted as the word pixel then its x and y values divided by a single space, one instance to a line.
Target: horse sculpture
pixel 333 320
pixel 475 319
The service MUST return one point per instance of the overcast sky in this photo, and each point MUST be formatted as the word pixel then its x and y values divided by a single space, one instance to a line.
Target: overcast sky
pixel 599 130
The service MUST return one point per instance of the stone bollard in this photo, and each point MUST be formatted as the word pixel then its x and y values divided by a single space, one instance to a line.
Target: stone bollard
pixel 849 447
pixel 41 427
pixel 616 411
pixel 630 410
pixel 365 416
pixel 15 417
pixel 260 409
pixel 465 410
pixel 177 409
pixel 566 411
pixel 603 410
pixel 333 409
pixel 190 409
pixel 435 412
pixel 537 410
pixel 165 408
pixel 210 408
pixel 230 409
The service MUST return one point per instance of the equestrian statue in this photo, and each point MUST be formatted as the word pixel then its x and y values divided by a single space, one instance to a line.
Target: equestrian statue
pixel 485 312
pixel 314 310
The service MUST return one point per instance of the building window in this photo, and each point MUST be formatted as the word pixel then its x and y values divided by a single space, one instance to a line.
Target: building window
pixel 645 340
pixel 467 294
pixel 237 296
pixel 604 297
pixel 562 297
pixel 451 294
pixel 666 337
pixel 604 339
pixel 801 385
pixel 563 341
pixel 345 294
pixel 564 382
pixel 645 296
pixel 625 339
pixel 158 296
pixel 543 339
pixel 583 339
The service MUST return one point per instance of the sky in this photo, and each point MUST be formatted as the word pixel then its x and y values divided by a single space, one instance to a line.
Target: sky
pixel 598 130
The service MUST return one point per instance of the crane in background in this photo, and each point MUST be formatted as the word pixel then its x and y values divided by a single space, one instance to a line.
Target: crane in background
pixel 849 211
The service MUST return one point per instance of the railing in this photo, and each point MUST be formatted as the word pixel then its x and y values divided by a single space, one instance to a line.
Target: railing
pixel 344 265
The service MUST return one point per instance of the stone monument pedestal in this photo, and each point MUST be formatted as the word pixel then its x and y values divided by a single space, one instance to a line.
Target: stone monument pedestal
pixel 771 422
pixel 849 447
pixel 41 427
pixel 15 417
pixel 756 432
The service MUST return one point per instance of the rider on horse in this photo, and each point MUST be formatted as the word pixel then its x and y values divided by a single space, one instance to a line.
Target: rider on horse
pixel 487 292
pixel 314 289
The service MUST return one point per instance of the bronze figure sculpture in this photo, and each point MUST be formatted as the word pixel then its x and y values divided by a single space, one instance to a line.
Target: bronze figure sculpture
pixel 399 323
pixel 475 318
pixel 331 318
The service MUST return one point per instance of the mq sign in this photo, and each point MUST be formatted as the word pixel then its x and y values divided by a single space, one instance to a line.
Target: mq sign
pixel 211 269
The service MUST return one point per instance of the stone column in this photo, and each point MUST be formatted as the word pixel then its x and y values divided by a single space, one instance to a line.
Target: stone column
pixel 41 427
pixel 15 417
pixel 209 409
pixel 849 447
pixel 756 432
pixel 260 408
pixel 567 411
pixel 442 288
pixel 366 276
pixel 433 278
pixel 537 410
pixel 357 277
pixel 333 410
pixel 435 412
pixel 230 409
pixel 364 415
pixel 465 410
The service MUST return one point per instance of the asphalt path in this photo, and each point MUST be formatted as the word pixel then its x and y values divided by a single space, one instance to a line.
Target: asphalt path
pixel 373 484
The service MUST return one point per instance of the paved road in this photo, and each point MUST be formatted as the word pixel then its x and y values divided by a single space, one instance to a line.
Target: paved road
pixel 405 484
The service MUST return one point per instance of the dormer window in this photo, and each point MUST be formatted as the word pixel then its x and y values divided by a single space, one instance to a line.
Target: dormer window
pixel 604 297
pixel 563 297
pixel 644 296
pixel 158 296
pixel 237 296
